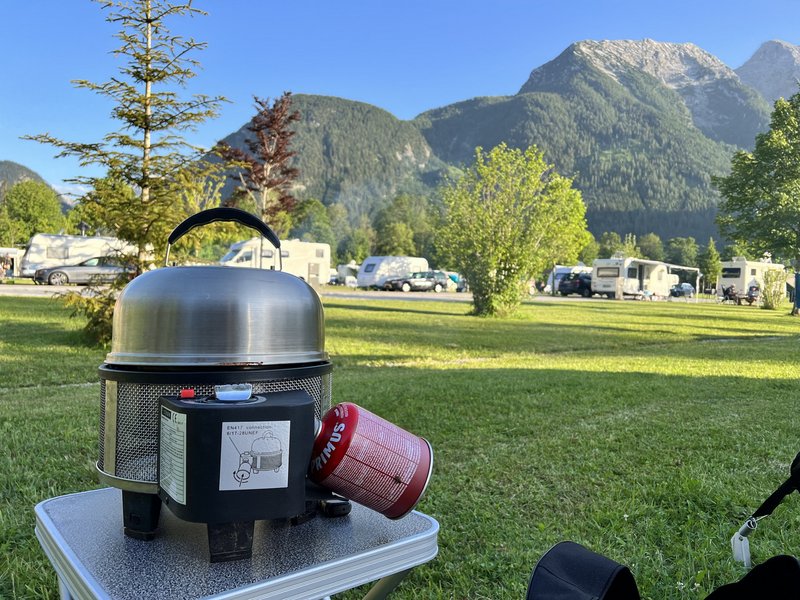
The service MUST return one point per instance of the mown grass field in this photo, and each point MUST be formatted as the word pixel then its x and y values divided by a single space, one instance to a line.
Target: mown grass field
pixel 645 431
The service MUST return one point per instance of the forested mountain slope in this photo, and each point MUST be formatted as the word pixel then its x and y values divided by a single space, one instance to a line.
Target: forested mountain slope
pixel 11 173
pixel 356 154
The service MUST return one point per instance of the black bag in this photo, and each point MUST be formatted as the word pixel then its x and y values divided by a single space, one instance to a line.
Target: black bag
pixel 776 579
pixel 568 571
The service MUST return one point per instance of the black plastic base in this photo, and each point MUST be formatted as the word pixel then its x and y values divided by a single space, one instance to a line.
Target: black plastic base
pixel 310 513
pixel 140 513
pixel 335 508
pixel 230 541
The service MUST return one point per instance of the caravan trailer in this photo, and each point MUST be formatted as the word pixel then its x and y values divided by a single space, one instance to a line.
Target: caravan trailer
pixel 375 270
pixel 310 261
pixel 743 273
pixel 49 250
pixel 620 276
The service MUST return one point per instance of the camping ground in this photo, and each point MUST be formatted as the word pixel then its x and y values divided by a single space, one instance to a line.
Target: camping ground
pixel 645 431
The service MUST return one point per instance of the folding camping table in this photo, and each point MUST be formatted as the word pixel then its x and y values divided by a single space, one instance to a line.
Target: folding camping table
pixel 81 534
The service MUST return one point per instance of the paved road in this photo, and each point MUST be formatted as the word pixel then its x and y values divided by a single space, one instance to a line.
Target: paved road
pixel 45 291
pixel 30 290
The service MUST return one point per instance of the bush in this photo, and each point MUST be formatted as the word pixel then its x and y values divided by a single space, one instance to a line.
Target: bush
pixel 774 293
pixel 98 308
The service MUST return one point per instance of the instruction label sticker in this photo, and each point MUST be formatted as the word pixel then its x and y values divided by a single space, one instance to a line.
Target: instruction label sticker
pixel 172 454
pixel 254 455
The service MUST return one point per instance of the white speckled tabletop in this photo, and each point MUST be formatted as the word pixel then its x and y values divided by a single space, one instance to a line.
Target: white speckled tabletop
pixel 82 536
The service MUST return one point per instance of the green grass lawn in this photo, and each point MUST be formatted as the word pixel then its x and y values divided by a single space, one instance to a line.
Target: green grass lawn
pixel 645 431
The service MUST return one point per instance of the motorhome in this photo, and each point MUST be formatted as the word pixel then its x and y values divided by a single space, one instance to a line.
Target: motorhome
pixel 620 276
pixel 50 250
pixel 743 273
pixel 375 270
pixel 310 261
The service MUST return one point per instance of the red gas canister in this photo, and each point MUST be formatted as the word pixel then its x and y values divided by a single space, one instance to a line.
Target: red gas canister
pixel 369 460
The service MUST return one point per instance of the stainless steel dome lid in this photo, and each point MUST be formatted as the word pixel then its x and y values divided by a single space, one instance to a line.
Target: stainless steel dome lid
pixel 217 316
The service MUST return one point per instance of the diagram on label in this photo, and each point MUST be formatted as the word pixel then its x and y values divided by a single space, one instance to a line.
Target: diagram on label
pixel 254 455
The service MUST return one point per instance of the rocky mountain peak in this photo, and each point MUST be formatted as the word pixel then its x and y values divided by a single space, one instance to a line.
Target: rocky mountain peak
pixel 712 92
pixel 674 65
pixel 774 70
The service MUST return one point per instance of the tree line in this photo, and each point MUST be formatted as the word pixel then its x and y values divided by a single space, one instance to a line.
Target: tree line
pixel 407 226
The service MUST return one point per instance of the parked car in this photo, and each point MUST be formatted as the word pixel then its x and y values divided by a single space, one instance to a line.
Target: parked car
pixel 576 283
pixel 100 269
pixel 685 290
pixel 421 281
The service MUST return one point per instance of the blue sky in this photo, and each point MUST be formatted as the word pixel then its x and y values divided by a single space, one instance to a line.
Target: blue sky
pixel 403 56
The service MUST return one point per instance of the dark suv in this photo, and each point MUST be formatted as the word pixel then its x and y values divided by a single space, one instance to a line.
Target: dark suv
pixel 576 283
pixel 421 281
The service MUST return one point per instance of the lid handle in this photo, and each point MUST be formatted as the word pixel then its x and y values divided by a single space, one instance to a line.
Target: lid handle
pixel 222 213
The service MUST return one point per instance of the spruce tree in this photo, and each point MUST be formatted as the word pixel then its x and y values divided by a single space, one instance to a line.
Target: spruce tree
pixel 139 194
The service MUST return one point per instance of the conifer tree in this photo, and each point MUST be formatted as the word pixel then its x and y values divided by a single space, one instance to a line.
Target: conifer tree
pixel 139 194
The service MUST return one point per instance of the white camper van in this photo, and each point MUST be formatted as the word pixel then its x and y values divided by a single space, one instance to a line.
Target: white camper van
pixel 310 261
pixel 630 276
pixel 375 270
pixel 743 273
pixel 48 250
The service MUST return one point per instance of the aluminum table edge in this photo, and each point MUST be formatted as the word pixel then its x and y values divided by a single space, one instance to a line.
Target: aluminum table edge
pixel 347 573
pixel 320 580
pixel 77 580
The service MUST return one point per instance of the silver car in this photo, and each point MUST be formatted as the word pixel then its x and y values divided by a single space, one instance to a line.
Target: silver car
pixel 100 269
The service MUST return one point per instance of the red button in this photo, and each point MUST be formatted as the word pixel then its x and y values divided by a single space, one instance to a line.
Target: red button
pixel 187 393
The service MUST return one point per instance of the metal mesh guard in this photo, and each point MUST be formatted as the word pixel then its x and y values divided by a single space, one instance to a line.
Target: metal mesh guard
pixel 138 424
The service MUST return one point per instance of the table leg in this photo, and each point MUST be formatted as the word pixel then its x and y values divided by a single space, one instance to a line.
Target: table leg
pixel 63 592
pixel 386 586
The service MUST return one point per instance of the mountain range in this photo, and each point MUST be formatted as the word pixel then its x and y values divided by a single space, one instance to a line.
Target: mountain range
pixel 641 126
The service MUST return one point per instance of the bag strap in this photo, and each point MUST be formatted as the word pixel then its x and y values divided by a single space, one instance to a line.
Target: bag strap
pixel 568 571
pixel 786 488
